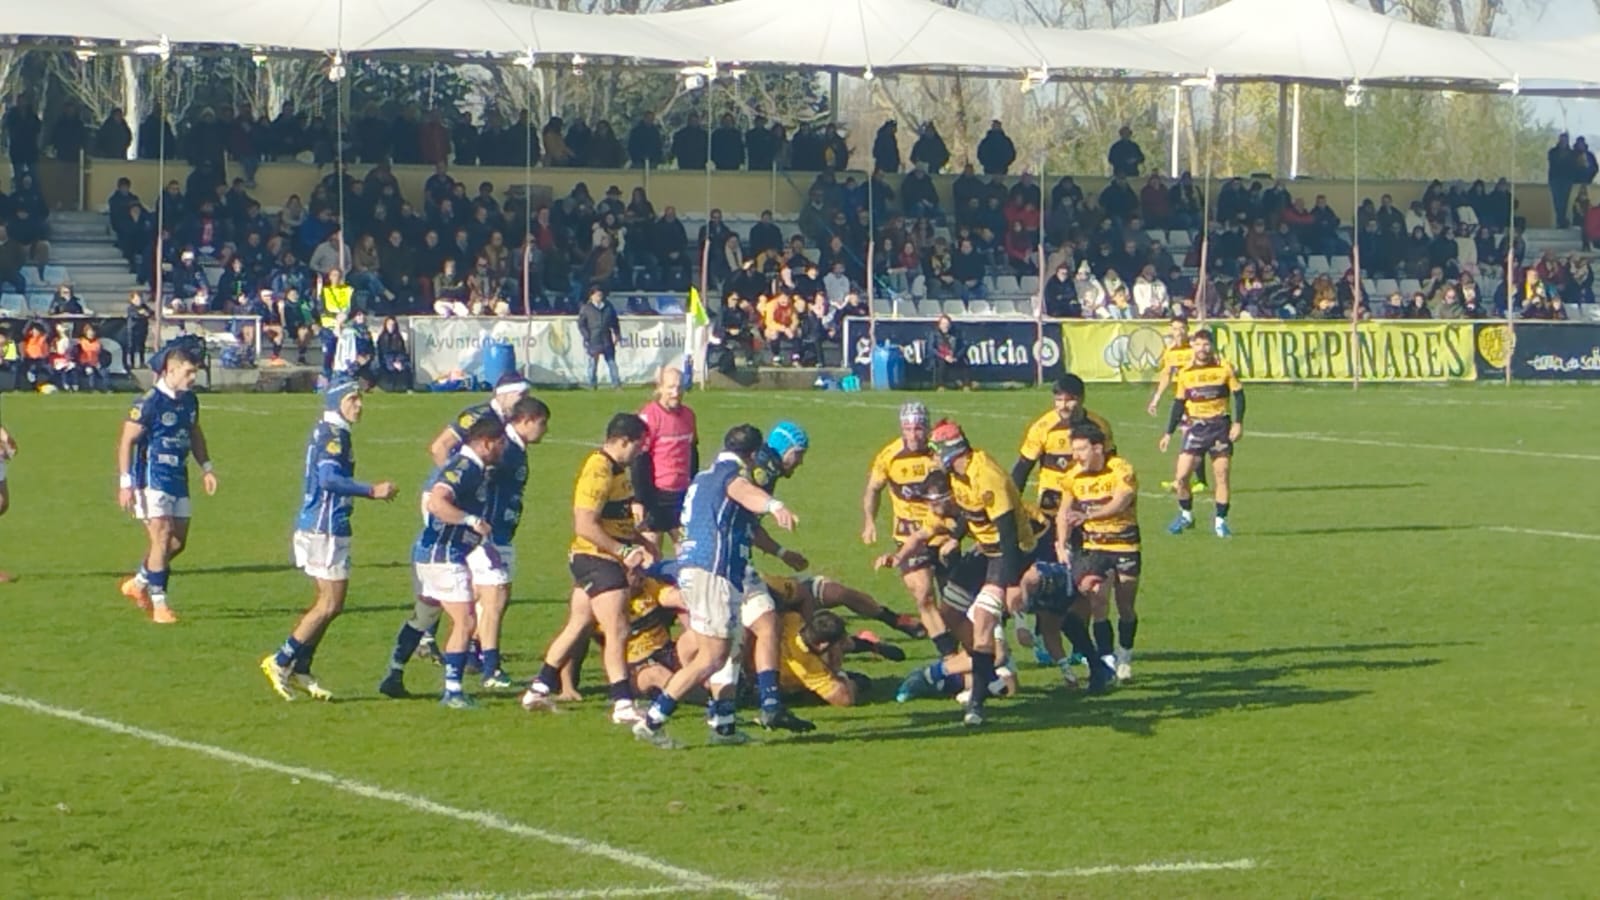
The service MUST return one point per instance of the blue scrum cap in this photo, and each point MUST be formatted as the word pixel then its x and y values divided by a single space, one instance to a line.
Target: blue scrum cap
pixel 786 435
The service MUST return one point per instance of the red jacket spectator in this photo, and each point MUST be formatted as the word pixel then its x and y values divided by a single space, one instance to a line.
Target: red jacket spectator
pixel 1155 201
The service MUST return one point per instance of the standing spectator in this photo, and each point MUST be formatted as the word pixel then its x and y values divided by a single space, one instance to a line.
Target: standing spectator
pixel 114 137
pixel 601 332
pixel 1561 173
pixel 23 128
pixel 689 145
pixel 13 256
pixel 947 353
pixel 1583 166
pixel 605 150
pixel 394 363
pixel 727 145
pixel 761 146
pixel 835 150
pixel 644 143
pixel 668 459
pixel 886 147
pixel 137 330
pixel 335 298
pixel 433 140
pixel 930 149
pixel 1125 156
pixel 69 135
pixel 996 152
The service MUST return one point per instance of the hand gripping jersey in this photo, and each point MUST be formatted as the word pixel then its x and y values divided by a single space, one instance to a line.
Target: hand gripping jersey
pixel 467 479
pixel 716 530
pixel 161 454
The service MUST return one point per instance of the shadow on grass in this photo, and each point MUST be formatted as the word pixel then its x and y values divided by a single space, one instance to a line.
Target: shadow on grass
pixel 1143 705
pixel 1329 488
pixel 179 570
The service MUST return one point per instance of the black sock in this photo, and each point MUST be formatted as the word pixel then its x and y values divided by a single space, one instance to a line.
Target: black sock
pixel 982 674
pixel 620 690
pixel 945 644
pixel 1222 510
pixel 1126 629
pixel 888 617
pixel 1077 634
pixel 1187 504
pixel 550 677
pixel 859 645
pixel 1200 475
pixel 1102 637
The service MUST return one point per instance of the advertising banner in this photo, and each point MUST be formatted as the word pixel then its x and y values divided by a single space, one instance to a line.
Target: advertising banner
pixel 549 350
pixel 1269 350
pixel 1548 351
pixel 996 351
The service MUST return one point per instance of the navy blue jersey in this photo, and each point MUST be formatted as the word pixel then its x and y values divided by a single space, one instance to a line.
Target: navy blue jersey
pixel 507 482
pixel 716 530
pixel 466 477
pixel 470 416
pixel 330 487
pixel 765 469
pixel 161 454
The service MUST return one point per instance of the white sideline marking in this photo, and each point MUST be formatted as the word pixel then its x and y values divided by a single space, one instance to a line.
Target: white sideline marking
pixel 684 877
pixel 1540 532
pixel 943 879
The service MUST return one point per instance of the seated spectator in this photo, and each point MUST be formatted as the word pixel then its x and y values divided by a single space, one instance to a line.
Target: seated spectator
pixel 394 362
pixel 187 278
pixel 947 354
pixel 1021 250
pixel 1118 305
pixel 450 291
pixel 967 267
pixel 485 291
pixel 89 362
pixel 780 327
pixel 1061 294
pixel 234 283
pixel 365 275
pixel 332 253
pixel 36 369
pixel 66 302
pixel 1149 295
pixel 1416 309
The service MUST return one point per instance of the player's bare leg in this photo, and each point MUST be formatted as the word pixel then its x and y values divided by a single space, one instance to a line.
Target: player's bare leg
pixel 1124 590
pixel 1222 470
pixel 865 605
pixel 924 589
pixel 148 589
pixel 611 614
pixel 984 614
pixel 491 603
pixel 580 620
pixel 1187 463
pixel 5 505
pixel 463 622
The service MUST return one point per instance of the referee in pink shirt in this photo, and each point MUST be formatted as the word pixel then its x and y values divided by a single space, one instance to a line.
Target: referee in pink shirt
pixel 669 459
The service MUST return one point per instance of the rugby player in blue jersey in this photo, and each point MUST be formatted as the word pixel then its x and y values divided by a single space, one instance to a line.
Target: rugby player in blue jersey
pixel 493 561
pixel 455 506
pixel 720 514
pixel 322 538
pixel 153 449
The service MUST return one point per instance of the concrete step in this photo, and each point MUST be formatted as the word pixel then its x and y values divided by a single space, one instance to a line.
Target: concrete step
pixel 78 253
pixel 79 217
pixel 73 231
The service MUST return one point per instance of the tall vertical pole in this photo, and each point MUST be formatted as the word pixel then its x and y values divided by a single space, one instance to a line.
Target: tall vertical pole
pixel 1038 297
pixel 1294 137
pixel 1281 160
pixel 161 192
pixel 1355 248
pixel 833 98
pixel 527 200
pixel 1177 116
pixel 1511 250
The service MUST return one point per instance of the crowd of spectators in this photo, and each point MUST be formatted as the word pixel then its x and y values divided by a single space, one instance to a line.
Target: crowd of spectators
pixel 357 241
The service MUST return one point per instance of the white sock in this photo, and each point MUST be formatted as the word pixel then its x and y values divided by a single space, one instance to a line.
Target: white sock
pixel 1188 515
pixel 158 599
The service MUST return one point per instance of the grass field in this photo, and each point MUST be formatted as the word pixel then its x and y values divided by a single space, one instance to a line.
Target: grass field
pixel 1382 686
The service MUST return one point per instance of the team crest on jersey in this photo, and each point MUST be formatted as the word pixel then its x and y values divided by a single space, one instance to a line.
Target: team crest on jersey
pixel 988 499
pixel 452 476
pixel 333 447
pixel 466 420
pixel 135 414
pixel 761 476
pixel 169 419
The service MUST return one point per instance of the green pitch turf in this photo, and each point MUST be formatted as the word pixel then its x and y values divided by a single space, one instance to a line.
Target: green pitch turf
pixel 1382 686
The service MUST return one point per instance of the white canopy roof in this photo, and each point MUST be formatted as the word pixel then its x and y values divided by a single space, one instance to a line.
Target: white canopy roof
pixel 1286 40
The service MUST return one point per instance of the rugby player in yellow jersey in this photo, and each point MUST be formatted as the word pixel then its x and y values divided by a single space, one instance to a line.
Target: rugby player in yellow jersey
pixel 903 467
pixel 807 594
pixel 651 652
pixel 812 659
pixel 1048 442
pixel 991 506
pixel 605 546
pixel 1205 388
pixel 1103 500
pixel 1177 354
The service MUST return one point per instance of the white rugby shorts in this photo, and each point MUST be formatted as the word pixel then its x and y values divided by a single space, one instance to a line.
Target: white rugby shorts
pixel 713 603
pixel 322 556
pixel 492 565
pixel 758 599
pixel 444 582
pixel 149 503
